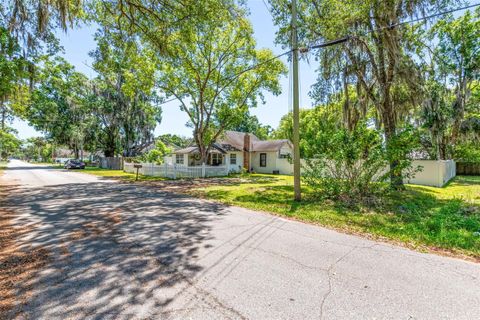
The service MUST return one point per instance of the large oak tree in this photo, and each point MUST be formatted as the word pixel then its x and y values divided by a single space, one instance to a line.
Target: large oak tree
pixel 374 59
pixel 217 75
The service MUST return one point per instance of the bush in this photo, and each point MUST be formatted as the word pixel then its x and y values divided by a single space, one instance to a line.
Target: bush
pixel 350 166
pixel 153 156
pixel 467 152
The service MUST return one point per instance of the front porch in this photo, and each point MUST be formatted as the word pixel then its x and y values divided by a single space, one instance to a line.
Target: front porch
pixel 233 161
pixel 214 159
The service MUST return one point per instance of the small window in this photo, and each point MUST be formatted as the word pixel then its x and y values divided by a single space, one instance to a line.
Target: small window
pixel 263 159
pixel 179 159
pixel 284 156
pixel 216 159
pixel 233 158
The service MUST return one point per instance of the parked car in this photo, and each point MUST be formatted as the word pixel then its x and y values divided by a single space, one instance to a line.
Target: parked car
pixel 74 164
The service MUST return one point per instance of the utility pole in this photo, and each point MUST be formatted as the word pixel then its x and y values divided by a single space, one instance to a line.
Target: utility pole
pixel 296 107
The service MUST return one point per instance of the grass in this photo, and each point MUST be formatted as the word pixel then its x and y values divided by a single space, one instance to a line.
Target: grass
pixel 442 219
pixel 117 174
pixel 3 165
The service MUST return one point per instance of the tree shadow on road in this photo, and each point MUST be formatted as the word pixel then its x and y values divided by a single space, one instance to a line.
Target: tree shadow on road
pixel 116 250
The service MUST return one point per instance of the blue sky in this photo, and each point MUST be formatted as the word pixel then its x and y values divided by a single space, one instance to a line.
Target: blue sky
pixel 79 42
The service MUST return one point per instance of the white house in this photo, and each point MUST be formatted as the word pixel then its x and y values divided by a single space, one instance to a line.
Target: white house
pixel 239 150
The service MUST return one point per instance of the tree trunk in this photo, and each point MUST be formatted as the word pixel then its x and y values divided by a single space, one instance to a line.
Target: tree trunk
pixel 109 150
pixel 4 116
pixel 396 176
pixel 459 107
pixel 109 143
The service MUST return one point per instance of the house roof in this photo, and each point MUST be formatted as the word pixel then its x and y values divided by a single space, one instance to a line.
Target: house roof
pixel 216 147
pixel 269 145
pixel 186 150
pixel 234 141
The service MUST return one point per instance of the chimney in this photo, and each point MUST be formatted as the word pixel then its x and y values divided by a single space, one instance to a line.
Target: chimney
pixel 246 152
pixel 246 142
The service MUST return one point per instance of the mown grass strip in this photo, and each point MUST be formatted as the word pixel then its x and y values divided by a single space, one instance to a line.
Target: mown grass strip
pixel 118 174
pixel 440 219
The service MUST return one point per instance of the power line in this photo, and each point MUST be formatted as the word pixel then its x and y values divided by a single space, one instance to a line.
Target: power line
pixel 433 15
pixel 335 41
pixel 268 9
pixel 347 38
pixel 167 101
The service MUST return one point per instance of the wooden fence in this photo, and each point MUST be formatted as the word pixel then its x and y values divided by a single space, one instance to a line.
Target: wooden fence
pixel 468 168
pixel 175 171
pixel 114 163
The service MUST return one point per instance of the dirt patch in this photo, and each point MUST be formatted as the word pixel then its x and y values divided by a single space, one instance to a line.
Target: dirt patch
pixel 18 263
pixel 186 186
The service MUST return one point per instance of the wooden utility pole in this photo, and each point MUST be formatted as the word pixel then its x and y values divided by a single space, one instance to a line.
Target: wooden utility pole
pixel 296 107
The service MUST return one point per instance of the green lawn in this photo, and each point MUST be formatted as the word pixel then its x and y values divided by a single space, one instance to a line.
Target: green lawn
pixel 443 219
pixel 117 174
pixel 3 165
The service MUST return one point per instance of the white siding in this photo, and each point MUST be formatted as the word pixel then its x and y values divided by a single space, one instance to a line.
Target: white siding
pixel 284 166
pixel 234 167
pixel 272 157
pixel 286 150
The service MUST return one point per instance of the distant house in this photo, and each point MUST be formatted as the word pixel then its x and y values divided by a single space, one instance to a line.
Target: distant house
pixel 239 150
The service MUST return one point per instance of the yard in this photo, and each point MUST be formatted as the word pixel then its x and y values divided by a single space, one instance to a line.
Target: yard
pixel 117 174
pixel 3 165
pixel 445 220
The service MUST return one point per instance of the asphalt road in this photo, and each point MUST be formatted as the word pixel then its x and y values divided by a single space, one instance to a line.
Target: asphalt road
pixel 122 251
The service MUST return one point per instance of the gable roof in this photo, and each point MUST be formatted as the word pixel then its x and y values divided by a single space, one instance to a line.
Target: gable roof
pixel 216 147
pixel 234 141
pixel 270 145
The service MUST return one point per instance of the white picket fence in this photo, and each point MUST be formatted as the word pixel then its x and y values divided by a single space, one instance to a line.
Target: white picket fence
pixel 175 171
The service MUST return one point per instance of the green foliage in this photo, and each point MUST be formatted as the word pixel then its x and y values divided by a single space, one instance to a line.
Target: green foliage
pixel 400 152
pixel 249 123
pixel 467 152
pixel 205 72
pixel 457 56
pixel 375 62
pixel 9 144
pixel 436 118
pixel 37 149
pixel 316 127
pixel 458 45
pixel 13 72
pixel 174 141
pixel 348 166
pixel 156 155
pixel 59 105
pixel 157 22
pixel 123 98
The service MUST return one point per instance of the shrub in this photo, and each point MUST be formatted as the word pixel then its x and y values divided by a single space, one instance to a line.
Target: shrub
pixel 153 156
pixel 349 165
